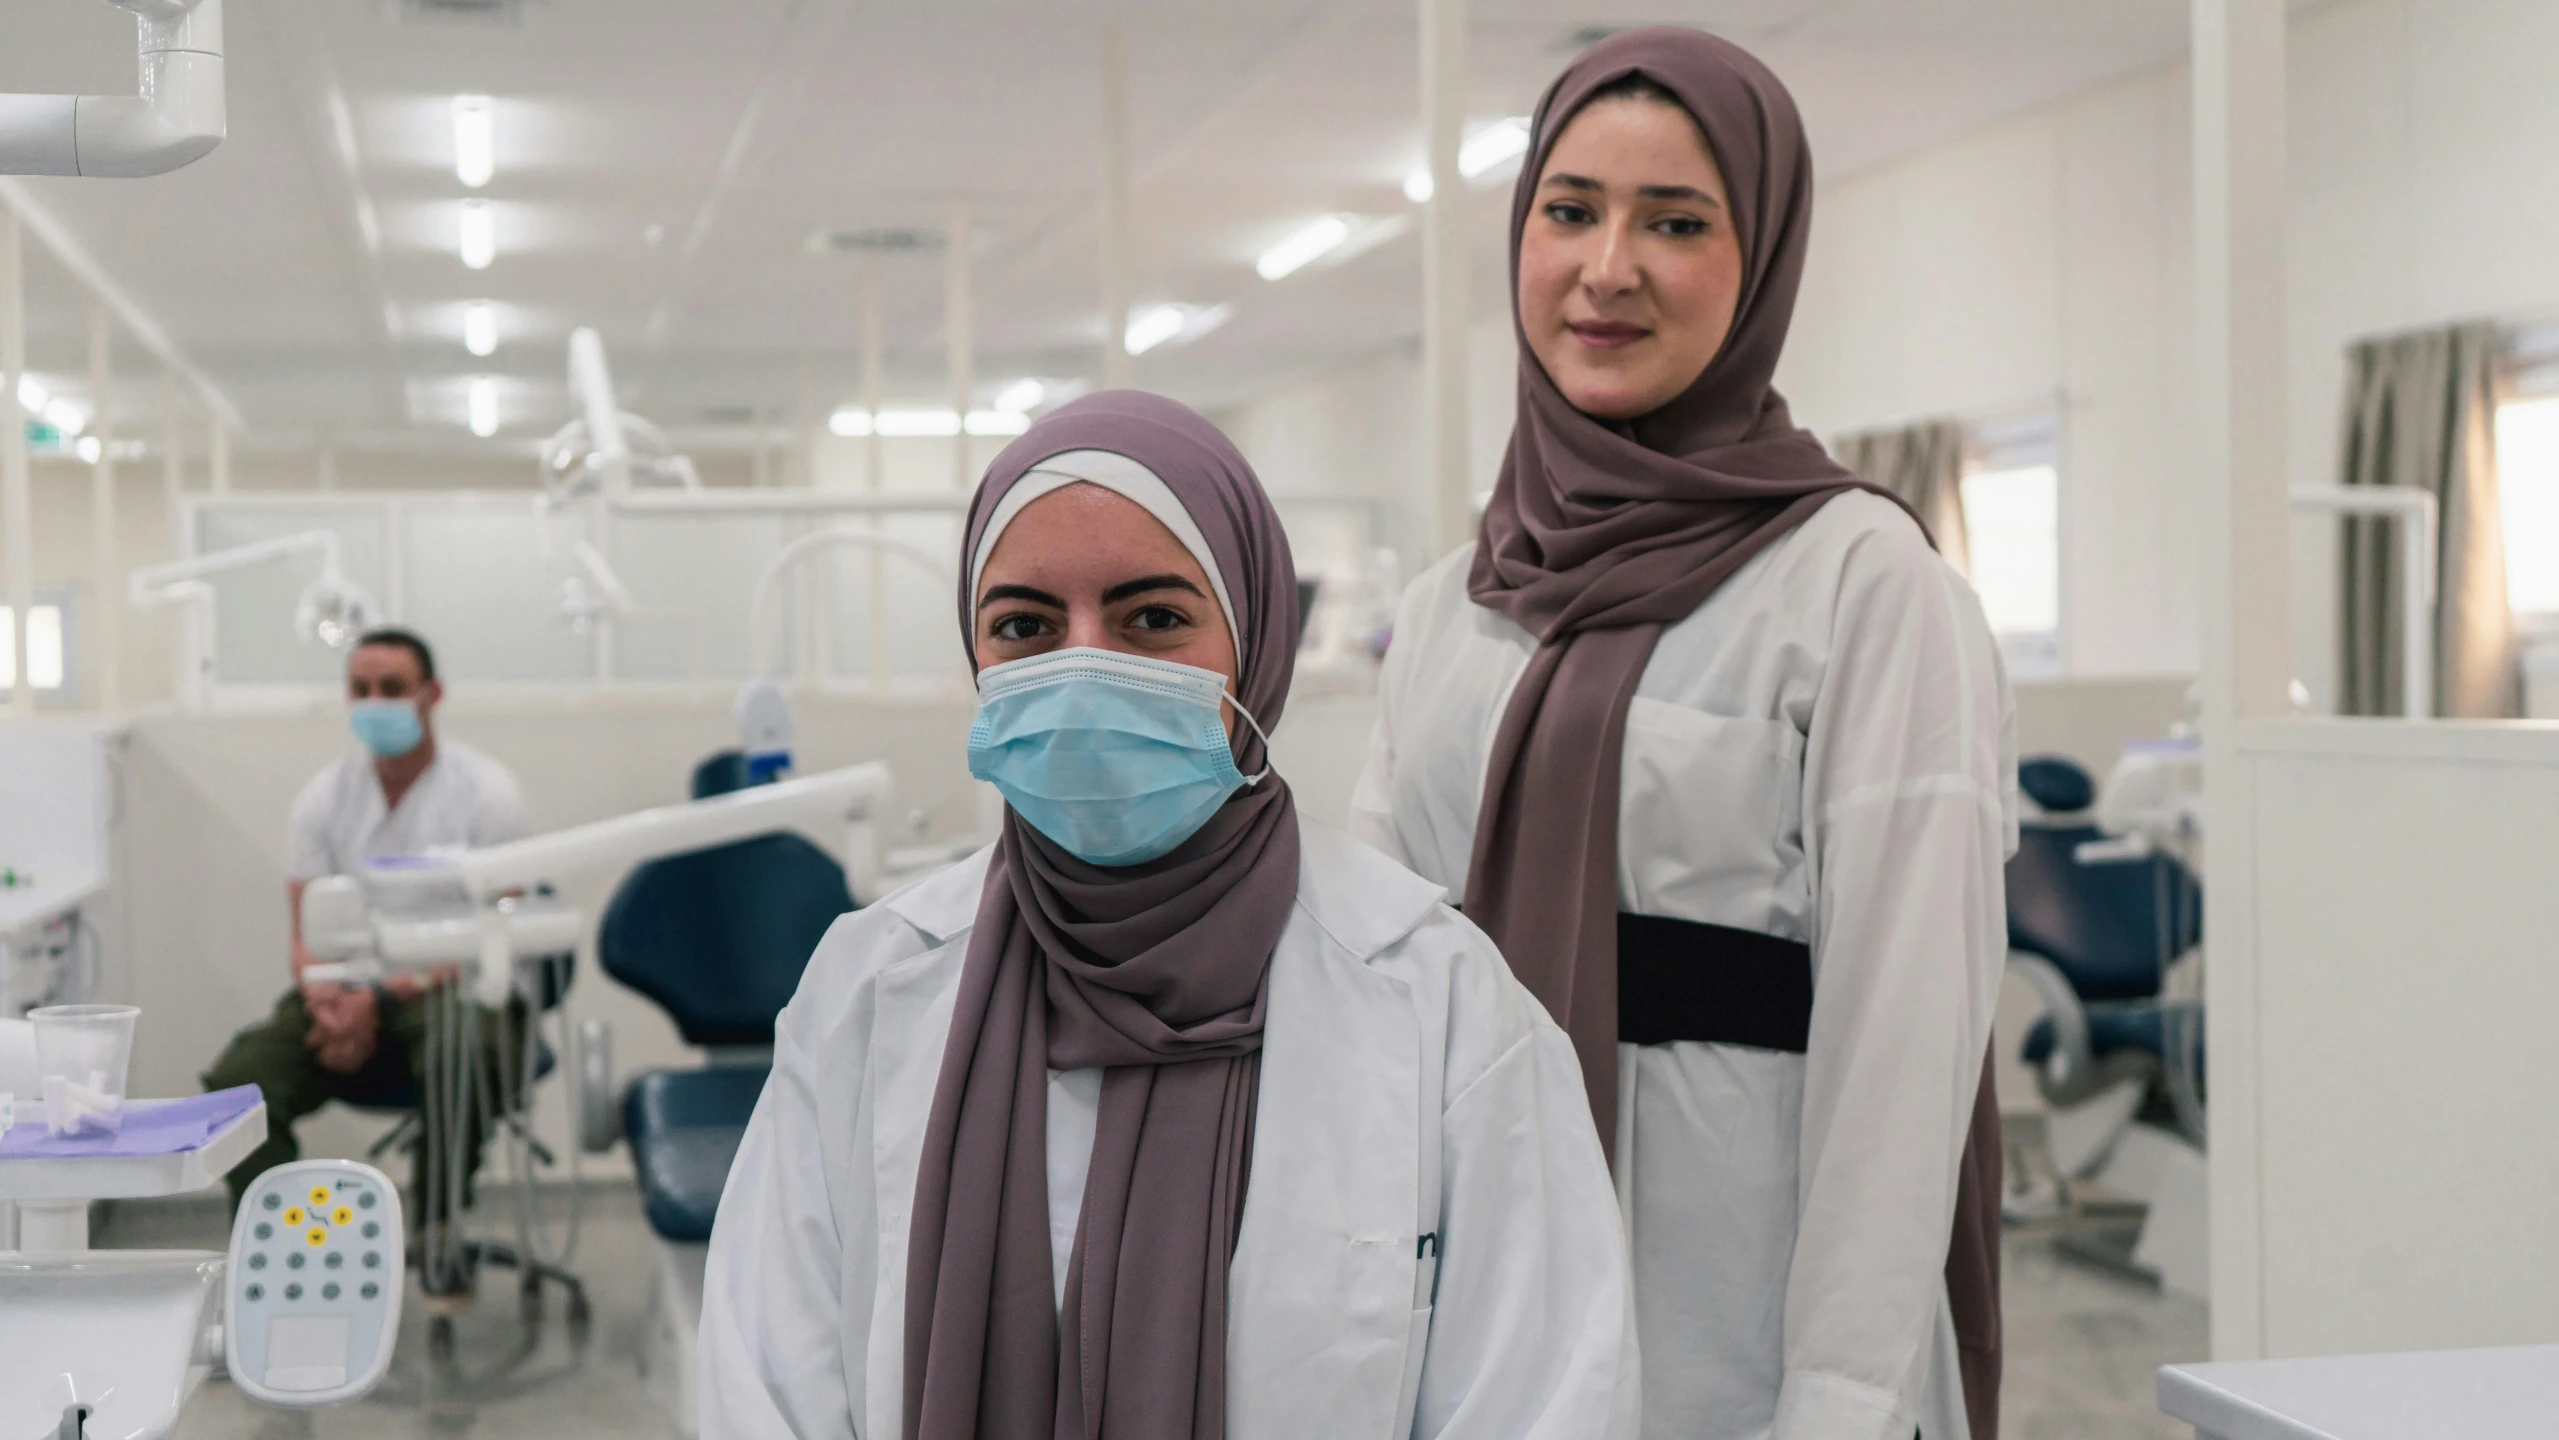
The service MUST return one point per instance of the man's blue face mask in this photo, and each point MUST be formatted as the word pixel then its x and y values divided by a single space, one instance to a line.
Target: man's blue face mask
pixel 1118 758
pixel 388 728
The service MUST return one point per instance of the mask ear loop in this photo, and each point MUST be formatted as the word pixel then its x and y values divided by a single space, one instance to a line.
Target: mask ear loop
pixel 1252 780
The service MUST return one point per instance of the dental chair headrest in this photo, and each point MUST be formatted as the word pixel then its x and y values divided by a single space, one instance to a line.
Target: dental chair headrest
pixel 2057 784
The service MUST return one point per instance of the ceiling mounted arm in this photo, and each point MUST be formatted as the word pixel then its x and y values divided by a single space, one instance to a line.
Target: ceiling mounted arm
pixel 176 118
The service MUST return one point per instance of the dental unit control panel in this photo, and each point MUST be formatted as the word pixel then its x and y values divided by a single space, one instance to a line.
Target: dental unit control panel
pixel 311 1306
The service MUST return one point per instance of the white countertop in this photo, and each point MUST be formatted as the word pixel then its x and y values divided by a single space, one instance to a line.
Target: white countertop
pixel 2503 1394
pixel 27 906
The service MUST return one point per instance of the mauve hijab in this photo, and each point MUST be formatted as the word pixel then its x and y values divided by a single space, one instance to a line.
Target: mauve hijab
pixel 1601 533
pixel 1157 973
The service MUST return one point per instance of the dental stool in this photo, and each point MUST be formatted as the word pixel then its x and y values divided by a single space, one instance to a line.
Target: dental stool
pixel 718 939
pixel 2094 923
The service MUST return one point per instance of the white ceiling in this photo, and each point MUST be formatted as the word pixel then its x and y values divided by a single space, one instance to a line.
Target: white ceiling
pixel 307 265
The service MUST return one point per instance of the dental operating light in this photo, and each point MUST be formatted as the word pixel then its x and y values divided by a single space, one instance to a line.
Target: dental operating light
pixel 480 328
pixel 477 241
pixel 475 140
pixel 483 406
pixel 1303 247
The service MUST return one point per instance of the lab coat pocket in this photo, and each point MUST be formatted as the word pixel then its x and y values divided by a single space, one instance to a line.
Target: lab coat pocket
pixel 1710 818
pixel 1417 1342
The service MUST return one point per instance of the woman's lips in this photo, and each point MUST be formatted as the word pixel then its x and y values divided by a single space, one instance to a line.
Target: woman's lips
pixel 1607 334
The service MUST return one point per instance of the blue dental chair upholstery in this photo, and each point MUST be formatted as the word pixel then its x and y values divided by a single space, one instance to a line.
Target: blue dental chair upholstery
pixel 2096 936
pixel 718 939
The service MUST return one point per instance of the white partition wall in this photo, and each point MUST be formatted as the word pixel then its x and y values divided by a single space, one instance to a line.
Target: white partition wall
pixel 2405 932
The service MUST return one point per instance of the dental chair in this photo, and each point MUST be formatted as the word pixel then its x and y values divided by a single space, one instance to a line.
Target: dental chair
pixel 718 939
pixel 2095 921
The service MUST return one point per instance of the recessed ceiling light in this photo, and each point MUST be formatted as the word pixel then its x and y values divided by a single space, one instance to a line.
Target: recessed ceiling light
pixel 475 140
pixel 90 449
pixel 32 394
pixel 1302 247
pixel 484 406
pixel 478 241
pixel 1018 397
pixel 64 416
pixel 480 328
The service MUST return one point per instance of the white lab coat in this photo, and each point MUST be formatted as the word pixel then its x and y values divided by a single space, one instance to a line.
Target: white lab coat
pixel 1823 751
pixel 1409 1088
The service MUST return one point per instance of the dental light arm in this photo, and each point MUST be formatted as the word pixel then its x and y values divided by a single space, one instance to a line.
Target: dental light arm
pixel 593 383
pixel 175 120
pixel 332 611
pixel 375 917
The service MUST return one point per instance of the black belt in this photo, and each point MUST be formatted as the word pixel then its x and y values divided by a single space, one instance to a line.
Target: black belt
pixel 1682 980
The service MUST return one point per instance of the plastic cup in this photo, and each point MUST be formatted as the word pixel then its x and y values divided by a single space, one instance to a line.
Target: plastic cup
pixel 86 1045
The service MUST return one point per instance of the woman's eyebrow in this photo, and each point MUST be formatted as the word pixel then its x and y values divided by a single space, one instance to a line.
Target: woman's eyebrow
pixel 1019 592
pixel 1144 583
pixel 1650 192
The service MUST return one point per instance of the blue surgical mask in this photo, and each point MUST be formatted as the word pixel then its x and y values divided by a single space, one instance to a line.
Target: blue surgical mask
pixel 1118 758
pixel 388 728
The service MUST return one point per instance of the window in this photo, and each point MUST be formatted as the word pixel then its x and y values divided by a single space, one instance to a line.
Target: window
pixel 45 647
pixel 2012 524
pixel 2528 496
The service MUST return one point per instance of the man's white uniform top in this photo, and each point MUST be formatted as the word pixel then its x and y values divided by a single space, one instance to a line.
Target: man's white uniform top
pixel 463 800
pixel 1823 752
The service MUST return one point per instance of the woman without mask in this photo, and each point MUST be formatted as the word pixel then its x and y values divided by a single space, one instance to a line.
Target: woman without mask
pixel 1170 1114
pixel 1719 753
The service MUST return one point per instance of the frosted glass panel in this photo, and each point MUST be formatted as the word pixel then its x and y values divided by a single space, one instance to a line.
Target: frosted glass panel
pixel 916 616
pixel 693 580
pixel 481 592
pixel 254 642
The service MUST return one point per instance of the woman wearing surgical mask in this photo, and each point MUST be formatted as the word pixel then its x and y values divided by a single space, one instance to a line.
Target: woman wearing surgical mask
pixel 1719 753
pixel 1172 1114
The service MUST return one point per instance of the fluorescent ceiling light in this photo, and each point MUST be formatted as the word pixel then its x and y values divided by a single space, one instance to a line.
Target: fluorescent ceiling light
pixel 480 328
pixel 1302 247
pixel 1018 397
pixel 1172 324
pixel 90 449
pixel 1153 326
pixel 478 241
pixel 1482 153
pixel 484 406
pixel 32 396
pixel 475 140
pixel 64 416
pixel 850 423
pixel 998 422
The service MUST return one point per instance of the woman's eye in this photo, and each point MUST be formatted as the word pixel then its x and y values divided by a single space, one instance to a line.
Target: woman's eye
pixel 1157 617
pixel 1681 226
pixel 1019 627
pixel 1567 212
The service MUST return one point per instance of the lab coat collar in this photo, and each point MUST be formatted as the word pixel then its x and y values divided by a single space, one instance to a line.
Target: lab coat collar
pixel 1363 901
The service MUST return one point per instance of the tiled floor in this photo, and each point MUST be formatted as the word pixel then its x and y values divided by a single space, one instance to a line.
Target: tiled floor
pixel 2082 1347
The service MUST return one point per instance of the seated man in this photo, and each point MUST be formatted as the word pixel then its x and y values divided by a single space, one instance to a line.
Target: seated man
pixel 404 793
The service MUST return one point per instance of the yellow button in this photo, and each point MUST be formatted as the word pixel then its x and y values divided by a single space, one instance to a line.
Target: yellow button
pixel 342 1216
pixel 293 1217
pixel 318 1236
pixel 319 1196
